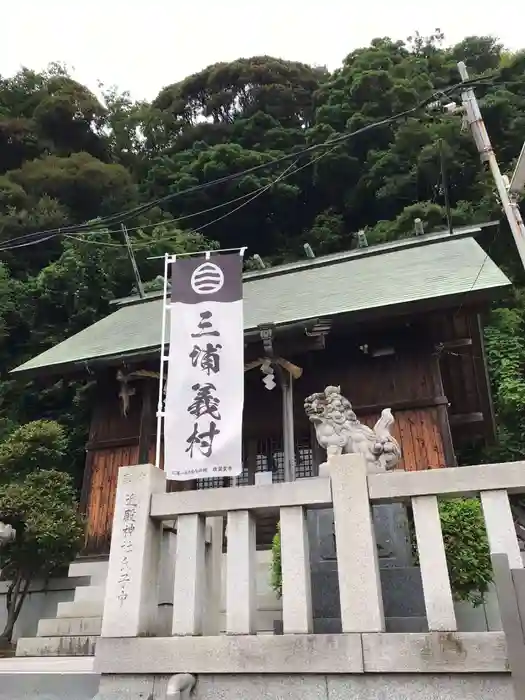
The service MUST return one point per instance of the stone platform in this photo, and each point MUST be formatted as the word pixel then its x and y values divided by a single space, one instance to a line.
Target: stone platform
pixel 401 584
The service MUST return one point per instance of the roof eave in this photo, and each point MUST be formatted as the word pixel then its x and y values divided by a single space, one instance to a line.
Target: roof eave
pixel 470 298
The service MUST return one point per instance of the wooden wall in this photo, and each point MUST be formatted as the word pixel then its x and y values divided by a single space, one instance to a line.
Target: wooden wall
pixel 409 382
pixel 459 337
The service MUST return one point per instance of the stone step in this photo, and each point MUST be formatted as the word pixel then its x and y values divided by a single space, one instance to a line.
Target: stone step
pixel 70 627
pixel 80 608
pixel 264 621
pixel 92 593
pixel 97 570
pixel 56 646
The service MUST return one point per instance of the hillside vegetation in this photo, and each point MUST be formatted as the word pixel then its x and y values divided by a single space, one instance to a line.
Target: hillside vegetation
pixel 67 157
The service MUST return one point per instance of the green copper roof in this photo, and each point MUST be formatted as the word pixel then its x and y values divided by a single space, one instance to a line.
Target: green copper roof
pixel 434 267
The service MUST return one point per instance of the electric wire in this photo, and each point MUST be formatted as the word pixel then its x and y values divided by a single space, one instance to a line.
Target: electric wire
pixel 146 244
pixel 121 217
pixel 166 239
pixel 137 245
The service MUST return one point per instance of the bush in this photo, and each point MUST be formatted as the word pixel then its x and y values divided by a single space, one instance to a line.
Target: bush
pixel 276 573
pixel 38 445
pixel 40 504
pixel 466 548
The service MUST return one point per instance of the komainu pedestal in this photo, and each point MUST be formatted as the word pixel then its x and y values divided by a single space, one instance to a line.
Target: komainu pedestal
pixel 339 431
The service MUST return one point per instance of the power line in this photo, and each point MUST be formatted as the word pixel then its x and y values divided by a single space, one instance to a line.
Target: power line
pixel 171 222
pixel 146 244
pixel 285 174
pixel 121 217
pixel 478 274
pixel 252 195
pixel 257 193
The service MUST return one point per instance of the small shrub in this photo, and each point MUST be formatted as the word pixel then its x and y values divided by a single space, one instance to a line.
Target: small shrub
pixel 466 548
pixel 276 574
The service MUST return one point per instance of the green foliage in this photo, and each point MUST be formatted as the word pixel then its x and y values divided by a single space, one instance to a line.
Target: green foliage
pixel 33 447
pixel 39 501
pixel 52 529
pixel 505 349
pixel 466 548
pixel 276 573
pixel 68 157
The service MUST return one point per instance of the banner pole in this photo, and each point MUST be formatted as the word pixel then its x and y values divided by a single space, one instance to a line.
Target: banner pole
pixel 160 406
pixel 207 253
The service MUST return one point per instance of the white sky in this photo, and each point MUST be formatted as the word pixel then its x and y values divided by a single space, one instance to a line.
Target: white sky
pixel 143 46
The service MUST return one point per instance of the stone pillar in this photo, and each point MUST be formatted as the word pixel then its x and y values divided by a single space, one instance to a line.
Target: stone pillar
pixel 358 570
pixel 241 572
pixel 439 604
pixel 295 564
pixel 213 558
pixel 501 531
pixel 167 579
pixel 190 576
pixel 131 600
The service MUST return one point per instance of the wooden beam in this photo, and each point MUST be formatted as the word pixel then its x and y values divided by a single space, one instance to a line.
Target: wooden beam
pixel 457 343
pixel 411 404
pixel 146 421
pixel 113 442
pixel 466 418
pixel 86 483
pixel 286 348
pixel 443 417
pixel 482 377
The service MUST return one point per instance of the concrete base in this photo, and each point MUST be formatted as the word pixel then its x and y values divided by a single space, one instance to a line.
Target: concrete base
pixel 445 652
pixel 316 687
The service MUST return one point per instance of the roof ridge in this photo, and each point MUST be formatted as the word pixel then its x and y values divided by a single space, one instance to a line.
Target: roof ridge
pixel 334 258
pixel 440 276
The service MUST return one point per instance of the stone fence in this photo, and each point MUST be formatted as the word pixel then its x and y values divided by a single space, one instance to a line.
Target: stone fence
pixel 128 644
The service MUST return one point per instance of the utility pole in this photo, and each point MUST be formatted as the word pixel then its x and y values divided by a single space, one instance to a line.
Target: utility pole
pixel 444 185
pixel 134 265
pixel 507 195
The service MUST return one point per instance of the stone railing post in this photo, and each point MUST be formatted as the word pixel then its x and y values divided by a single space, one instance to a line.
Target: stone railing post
pixel 213 563
pixel 437 591
pixel 357 562
pixel 131 601
pixel 501 531
pixel 295 565
pixel 190 576
pixel 241 604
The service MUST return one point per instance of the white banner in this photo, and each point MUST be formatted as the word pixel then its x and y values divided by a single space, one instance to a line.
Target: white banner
pixel 205 384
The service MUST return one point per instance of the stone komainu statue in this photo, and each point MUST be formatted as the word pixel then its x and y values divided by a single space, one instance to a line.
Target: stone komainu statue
pixel 338 430
pixel 7 533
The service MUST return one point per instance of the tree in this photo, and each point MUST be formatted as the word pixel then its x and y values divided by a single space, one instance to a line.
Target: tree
pixel 67 157
pixel 38 500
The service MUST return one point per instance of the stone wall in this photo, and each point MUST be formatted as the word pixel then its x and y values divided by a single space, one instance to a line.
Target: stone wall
pixel 41 602
pixel 318 687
